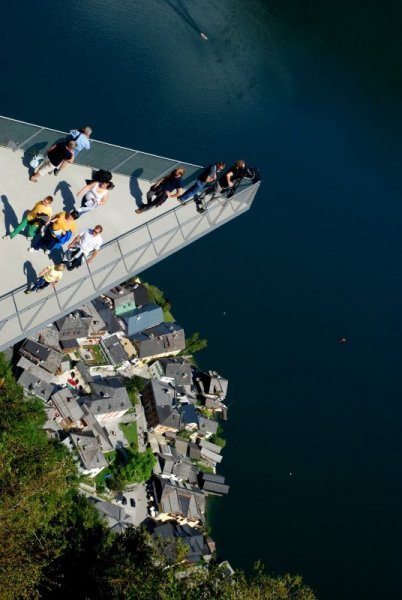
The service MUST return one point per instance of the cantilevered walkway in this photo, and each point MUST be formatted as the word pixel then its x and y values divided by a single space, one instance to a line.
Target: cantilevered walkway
pixel 132 242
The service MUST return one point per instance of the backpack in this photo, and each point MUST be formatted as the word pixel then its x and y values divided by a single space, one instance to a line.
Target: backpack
pixel 102 176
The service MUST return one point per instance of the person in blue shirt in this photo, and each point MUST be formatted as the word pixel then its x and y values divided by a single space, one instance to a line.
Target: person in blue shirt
pixel 168 187
pixel 81 138
pixel 209 175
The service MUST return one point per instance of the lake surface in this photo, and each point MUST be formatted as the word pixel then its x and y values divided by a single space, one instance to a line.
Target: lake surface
pixel 310 92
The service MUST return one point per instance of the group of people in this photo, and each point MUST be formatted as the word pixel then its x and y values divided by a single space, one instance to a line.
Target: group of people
pixel 47 231
pixel 171 186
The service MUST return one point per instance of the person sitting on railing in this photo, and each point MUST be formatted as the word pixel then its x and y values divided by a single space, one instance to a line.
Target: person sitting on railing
pixel 40 214
pixel 94 194
pixel 209 175
pixel 58 232
pixel 86 245
pixel 49 275
pixel 168 187
pixel 56 156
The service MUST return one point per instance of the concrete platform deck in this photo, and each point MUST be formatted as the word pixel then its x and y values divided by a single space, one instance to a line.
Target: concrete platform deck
pixel 132 242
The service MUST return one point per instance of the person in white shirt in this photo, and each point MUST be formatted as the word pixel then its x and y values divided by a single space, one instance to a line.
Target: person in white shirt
pixel 85 245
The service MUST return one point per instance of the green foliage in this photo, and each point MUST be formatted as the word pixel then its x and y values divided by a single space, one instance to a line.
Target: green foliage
pixel 130 433
pixel 135 386
pixel 138 467
pixel 194 344
pixel 219 441
pixel 156 296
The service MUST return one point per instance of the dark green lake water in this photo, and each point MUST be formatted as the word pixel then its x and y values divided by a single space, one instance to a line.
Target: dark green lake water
pixel 311 93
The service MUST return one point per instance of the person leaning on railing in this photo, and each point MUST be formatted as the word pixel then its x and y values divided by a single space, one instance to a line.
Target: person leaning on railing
pixel 168 187
pixel 55 158
pixel 209 175
pixel 40 214
pixel 85 245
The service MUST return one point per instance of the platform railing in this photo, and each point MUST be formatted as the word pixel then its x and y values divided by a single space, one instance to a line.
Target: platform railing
pixel 34 139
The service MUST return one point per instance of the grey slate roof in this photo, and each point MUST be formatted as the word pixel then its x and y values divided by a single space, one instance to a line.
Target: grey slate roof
pixel 192 537
pixel 67 405
pixel 142 318
pixel 213 477
pixel 159 401
pixel 114 350
pixel 109 395
pixel 212 383
pixel 33 385
pixel 89 450
pixel 107 315
pixel 75 325
pixel 180 498
pixel 218 489
pixel 178 369
pixel 98 325
pixel 162 339
pixel 207 425
pixel 49 358
pixel 181 446
pixel 210 446
pixel 48 336
pixel 115 516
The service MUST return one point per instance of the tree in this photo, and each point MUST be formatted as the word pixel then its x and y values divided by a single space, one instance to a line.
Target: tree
pixel 194 344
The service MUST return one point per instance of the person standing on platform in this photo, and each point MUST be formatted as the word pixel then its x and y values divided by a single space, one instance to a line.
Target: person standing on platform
pixel 55 158
pixel 94 194
pixel 40 214
pixel 236 172
pixel 59 231
pixel 49 275
pixel 209 175
pixel 86 245
pixel 168 187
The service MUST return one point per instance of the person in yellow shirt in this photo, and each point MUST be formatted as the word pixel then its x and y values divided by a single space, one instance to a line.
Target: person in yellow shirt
pixel 40 214
pixel 59 231
pixel 49 275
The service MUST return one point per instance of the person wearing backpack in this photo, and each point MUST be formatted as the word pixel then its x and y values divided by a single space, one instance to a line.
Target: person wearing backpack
pixel 208 176
pixel 58 232
pixel 168 187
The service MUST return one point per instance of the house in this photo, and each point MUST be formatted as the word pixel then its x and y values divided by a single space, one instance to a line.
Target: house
pixel 206 426
pixel 97 328
pixel 188 417
pixel 106 313
pixel 48 336
pixel 115 516
pixel 128 297
pixel 34 379
pixel 159 341
pixel 88 448
pixel 48 358
pixel 174 466
pixel 211 385
pixel 181 446
pixel 123 304
pixel 73 326
pixel 67 411
pixel 208 456
pixel 214 484
pixel 115 351
pixel 209 446
pixel 160 407
pixel 176 371
pixel 198 544
pixel 142 318
pixel 109 400
pixel 178 498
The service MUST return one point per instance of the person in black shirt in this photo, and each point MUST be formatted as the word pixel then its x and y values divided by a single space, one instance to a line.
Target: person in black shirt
pixel 236 172
pixel 57 155
pixel 168 187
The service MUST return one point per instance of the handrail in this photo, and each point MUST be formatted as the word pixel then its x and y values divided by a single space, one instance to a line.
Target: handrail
pixel 90 274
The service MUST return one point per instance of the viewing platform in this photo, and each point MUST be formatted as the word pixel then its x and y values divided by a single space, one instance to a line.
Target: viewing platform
pixel 132 242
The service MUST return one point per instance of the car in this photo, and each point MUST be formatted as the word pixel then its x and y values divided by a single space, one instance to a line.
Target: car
pixel 124 500
pixel 132 502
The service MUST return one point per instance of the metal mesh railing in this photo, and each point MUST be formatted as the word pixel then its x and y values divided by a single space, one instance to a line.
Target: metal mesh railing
pixel 33 139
